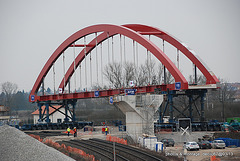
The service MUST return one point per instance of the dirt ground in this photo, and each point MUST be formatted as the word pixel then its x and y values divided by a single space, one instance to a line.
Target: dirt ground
pixel 227 154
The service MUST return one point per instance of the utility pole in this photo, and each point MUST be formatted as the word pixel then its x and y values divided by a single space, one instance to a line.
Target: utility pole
pixel 222 99
pixel 114 153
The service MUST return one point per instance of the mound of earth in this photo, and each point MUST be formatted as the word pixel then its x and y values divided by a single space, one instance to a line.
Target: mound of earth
pixel 16 145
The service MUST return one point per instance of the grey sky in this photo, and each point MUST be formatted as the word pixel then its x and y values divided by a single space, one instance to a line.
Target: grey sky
pixel 31 30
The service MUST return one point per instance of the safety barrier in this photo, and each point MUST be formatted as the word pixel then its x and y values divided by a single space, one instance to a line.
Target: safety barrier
pixel 213 158
pixel 116 139
pixel 67 150
pixel 230 142
pixel 36 137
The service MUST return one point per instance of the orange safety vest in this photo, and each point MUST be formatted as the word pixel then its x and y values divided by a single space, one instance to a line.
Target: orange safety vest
pixel 75 130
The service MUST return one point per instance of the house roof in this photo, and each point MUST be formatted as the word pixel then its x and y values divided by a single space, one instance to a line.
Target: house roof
pixel 3 108
pixel 51 110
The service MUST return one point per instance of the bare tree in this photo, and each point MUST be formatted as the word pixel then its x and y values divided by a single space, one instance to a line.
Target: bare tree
pixel 160 76
pixel 146 74
pixel 226 92
pixel 113 73
pixel 159 73
pixel 9 89
pixel 150 67
pixel 200 80
pixel 129 73
pixel 169 78
pixel 142 76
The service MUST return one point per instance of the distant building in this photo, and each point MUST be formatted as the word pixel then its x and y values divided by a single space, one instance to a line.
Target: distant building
pixel 236 88
pixel 54 115
pixel 4 115
pixel 4 111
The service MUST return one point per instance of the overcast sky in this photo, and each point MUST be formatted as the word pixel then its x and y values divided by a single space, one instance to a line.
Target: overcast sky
pixel 31 30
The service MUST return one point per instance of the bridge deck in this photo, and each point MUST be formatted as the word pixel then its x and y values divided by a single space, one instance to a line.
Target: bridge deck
pixel 112 92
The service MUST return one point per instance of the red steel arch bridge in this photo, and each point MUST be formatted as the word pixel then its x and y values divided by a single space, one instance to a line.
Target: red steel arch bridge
pixel 106 43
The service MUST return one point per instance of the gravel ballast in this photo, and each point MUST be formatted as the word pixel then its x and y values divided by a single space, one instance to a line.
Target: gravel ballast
pixel 16 145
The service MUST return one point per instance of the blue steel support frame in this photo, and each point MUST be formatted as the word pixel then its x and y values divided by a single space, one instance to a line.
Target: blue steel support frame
pixel 161 116
pixel 47 112
pixel 64 104
pixel 203 94
pixel 73 113
pixel 168 103
pixel 66 111
pixel 160 120
pixel 40 111
pixel 190 93
pixel 170 99
pixel 190 97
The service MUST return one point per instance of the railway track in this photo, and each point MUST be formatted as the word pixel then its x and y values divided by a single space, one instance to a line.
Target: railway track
pixel 103 150
pixel 101 153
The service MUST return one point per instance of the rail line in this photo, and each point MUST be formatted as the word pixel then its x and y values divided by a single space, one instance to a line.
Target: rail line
pixel 103 150
pixel 101 153
pixel 129 151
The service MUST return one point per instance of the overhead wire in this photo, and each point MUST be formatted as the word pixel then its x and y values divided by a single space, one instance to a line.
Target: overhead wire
pixel 85 52
pixel 177 58
pixel 150 53
pixel 164 68
pixel 112 51
pixel 96 58
pixel 148 68
pixel 121 48
pixel 137 53
pixel 74 54
pixel 124 45
pixel 90 69
pixel 54 89
pixel 64 72
pixel 134 53
pixel 108 48
pixel 80 77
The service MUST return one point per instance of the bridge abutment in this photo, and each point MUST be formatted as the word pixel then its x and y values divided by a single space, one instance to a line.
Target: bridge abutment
pixel 140 111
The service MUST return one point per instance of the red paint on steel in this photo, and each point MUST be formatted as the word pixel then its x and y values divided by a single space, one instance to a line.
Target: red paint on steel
pixel 143 29
pixel 112 30
pixel 134 32
pixel 102 93
pixel 81 45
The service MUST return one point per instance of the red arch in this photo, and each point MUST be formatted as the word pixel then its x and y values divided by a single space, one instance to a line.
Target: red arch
pixel 112 30
pixel 134 32
pixel 143 29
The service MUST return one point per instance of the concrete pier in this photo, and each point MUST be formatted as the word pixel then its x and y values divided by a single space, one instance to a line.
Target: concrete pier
pixel 140 111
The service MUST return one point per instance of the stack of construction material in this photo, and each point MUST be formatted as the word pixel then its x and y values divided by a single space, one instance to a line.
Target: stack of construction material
pixel 16 145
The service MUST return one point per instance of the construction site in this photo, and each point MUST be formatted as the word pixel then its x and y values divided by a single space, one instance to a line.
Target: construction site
pixel 137 114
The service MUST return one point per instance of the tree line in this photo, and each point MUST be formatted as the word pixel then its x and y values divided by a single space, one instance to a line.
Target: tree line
pixel 13 99
pixel 118 76
pixel 149 73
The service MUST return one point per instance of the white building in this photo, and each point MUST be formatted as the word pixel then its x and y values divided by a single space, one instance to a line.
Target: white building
pixel 54 115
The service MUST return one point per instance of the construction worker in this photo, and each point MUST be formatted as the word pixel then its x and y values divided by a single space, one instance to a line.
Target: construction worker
pixel 75 132
pixel 106 130
pixel 68 130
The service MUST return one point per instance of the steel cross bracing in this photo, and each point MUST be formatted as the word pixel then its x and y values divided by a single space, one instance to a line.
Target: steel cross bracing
pixel 69 114
pixel 105 32
pixel 135 32
pixel 169 103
